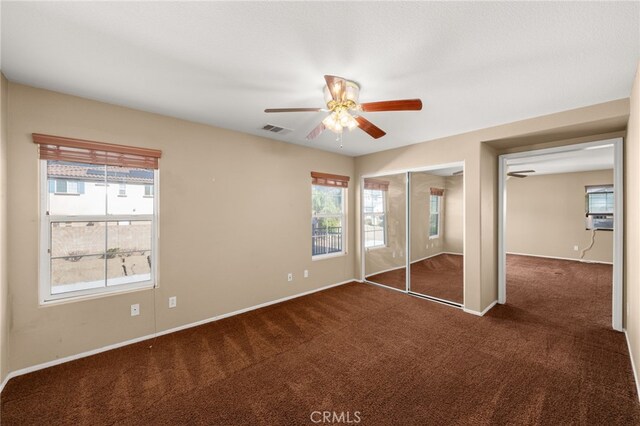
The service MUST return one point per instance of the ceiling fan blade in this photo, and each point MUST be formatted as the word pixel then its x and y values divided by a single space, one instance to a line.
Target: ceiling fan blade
pixel 336 87
pixel 316 131
pixel 458 173
pixel 513 174
pixel 373 130
pixel 398 105
pixel 293 109
pixel 523 171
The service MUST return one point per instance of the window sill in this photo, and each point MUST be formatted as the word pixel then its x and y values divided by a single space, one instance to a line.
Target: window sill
pixel 73 194
pixel 434 237
pixel 147 196
pixel 122 196
pixel 62 300
pixel 381 246
pixel 328 256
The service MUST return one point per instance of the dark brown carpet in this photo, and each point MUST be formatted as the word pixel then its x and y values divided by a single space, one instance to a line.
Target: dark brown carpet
pixel 547 357
pixel 439 276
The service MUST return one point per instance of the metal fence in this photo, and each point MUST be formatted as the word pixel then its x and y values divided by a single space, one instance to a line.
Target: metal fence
pixel 326 240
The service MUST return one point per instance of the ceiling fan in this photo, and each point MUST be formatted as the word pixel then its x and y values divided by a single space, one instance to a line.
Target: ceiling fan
pixel 520 173
pixel 341 96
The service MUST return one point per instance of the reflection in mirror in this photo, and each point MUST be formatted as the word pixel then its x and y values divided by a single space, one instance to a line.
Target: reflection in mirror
pixel 436 233
pixel 384 205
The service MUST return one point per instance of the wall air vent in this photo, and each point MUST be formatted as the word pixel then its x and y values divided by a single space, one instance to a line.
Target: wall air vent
pixel 276 129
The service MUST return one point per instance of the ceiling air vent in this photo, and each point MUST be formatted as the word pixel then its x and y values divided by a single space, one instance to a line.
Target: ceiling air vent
pixel 276 129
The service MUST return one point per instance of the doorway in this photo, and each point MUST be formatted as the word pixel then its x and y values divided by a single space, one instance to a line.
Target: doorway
pixel 593 234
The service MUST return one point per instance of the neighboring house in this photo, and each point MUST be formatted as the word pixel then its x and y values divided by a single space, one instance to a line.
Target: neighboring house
pixel 78 187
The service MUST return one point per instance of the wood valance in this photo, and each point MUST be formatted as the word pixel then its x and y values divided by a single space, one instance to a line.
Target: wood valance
pixel 380 185
pixel 84 151
pixel 437 191
pixel 327 179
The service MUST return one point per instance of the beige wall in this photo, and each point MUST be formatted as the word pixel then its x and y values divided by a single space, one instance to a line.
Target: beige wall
pixel 219 250
pixel 421 245
pixel 632 223
pixel 392 255
pixel 454 214
pixel 488 226
pixel 546 216
pixel 4 286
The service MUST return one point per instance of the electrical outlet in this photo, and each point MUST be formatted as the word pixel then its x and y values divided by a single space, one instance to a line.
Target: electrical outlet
pixel 173 301
pixel 306 273
pixel 135 310
pixel 290 277
pixel 575 248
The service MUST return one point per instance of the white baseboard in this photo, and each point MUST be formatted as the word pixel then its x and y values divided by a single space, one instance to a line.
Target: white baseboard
pixel 633 365
pixel 481 314
pixel 4 382
pixel 415 261
pixel 434 255
pixel 386 270
pixel 58 361
pixel 561 258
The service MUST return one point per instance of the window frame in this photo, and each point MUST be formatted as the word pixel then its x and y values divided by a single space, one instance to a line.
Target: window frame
pixel 589 214
pixel 439 214
pixel 56 189
pixel 45 295
pixel 343 252
pixel 384 214
pixel 151 192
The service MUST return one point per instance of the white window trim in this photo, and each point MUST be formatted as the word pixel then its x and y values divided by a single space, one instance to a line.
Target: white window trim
pixel 433 237
pixel 67 192
pixel 384 213
pixel 44 294
pixel 345 210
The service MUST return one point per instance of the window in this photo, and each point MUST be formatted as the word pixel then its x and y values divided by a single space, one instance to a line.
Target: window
pixel 66 186
pixel 148 190
pixel 435 200
pixel 122 190
pixel 96 242
pixel 328 223
pixel 375 208
pixel 599 201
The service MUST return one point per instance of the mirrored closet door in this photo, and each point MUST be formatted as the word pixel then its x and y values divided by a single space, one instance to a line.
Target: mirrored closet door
pixel 413 222
pixel 436 234
pixel 384 231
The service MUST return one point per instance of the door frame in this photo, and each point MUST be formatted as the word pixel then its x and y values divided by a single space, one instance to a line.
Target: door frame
pixel 618 214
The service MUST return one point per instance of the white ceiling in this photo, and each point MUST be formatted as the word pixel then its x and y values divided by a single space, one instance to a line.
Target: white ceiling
pixel 582 160
pixel 474 65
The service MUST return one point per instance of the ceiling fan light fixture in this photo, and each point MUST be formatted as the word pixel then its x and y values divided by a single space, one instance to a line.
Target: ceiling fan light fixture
pixel 338 120
pixel 351 123
pixel 352 92
pixel 332 122
pixel 342 98
pixel 327 95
